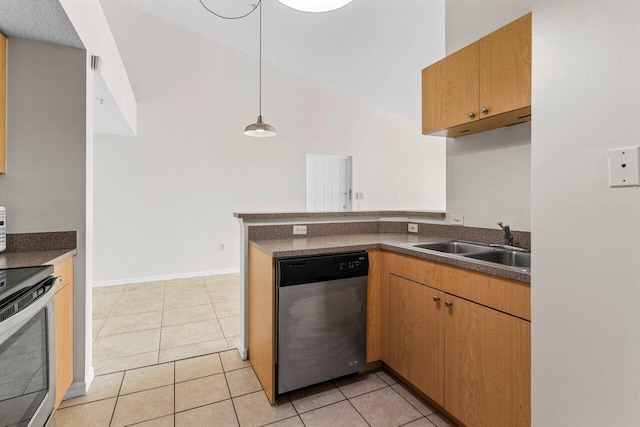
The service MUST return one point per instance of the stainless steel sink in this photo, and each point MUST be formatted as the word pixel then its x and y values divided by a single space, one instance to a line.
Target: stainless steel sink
pixel 453 247
pixel 516 259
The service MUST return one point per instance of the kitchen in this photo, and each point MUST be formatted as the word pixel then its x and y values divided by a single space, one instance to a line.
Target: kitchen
pixel 582 46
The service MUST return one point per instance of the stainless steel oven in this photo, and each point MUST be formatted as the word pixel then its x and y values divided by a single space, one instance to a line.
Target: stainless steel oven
pixel 27 347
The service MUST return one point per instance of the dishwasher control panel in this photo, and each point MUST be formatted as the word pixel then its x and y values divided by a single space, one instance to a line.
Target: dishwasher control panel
pixel 354 264
pixel 318 268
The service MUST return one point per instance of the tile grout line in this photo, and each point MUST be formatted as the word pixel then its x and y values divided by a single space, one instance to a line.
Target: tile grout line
pixel 164 294
pixel 115 405
pixel 226 380
pixel 362 394
pixel 412 405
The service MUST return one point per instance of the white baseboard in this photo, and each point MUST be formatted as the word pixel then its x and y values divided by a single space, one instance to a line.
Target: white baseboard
pixel 163 277
pixel 80 388
pixel 244 355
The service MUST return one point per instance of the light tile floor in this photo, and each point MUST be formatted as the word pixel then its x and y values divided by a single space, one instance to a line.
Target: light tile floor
pixel 164 354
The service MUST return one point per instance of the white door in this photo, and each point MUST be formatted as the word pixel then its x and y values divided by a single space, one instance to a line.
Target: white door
pixel 328 183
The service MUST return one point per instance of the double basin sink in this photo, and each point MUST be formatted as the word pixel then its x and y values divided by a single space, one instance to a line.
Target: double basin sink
pixel 494 254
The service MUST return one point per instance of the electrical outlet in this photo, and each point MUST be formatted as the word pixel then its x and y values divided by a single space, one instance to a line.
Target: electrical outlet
pixel 221 247
pixel 299 229
pixel 624 167
pixel 413 228
pixel 457 220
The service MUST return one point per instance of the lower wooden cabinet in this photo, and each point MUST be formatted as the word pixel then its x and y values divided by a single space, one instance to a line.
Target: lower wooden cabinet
pixel 472 360
pixel 487 365
pixel 416 335
pixel 63 306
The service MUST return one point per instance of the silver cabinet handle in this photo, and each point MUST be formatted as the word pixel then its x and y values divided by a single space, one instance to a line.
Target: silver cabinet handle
pixel 436 298
pixel 484 110
pixel 448 303
pixel 472 115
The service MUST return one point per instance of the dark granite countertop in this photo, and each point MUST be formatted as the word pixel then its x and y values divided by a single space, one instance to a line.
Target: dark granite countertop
pixel 302 246
pixel 345 214
pixel 33 258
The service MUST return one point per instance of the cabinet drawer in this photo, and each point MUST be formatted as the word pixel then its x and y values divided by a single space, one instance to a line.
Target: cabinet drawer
pixel 509 296
pixel 416 269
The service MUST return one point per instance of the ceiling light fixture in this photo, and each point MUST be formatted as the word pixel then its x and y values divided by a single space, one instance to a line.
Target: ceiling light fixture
pixel 315 5
pixel 259 128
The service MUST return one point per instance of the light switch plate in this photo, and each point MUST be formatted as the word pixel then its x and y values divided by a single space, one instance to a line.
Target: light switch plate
pixel 624 167
pixel 413 228
pixel 457 220
pixel 299 229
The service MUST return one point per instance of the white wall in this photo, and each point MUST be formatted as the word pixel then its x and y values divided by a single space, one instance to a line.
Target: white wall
pixel 119 114
pixel 586 281
pixel 164 201
pixel 488 174
pixel 44 188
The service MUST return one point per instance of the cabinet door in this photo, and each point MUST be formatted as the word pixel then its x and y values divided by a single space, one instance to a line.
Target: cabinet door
pixel 3 104
pixel 63 306
pixel 416 341
pixel 450 90
pixel 505 68
pixel 488 366
pixel 262 319
pixel 374 320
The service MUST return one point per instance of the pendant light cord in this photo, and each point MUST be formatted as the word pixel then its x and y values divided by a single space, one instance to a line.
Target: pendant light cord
pixel 231 17
pixel 255 6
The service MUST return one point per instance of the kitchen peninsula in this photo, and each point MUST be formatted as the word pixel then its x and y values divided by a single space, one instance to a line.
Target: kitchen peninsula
pixel 429 313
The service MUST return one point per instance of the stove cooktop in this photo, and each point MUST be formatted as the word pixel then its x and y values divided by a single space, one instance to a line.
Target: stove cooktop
pixel 13 280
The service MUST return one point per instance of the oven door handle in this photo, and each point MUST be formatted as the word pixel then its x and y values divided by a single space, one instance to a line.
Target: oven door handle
pixel 8 326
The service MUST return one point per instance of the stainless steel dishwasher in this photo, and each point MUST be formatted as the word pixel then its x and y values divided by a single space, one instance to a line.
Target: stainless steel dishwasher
pixel 322 318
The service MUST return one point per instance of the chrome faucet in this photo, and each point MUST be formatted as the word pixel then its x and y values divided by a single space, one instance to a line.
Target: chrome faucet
pixel 508 237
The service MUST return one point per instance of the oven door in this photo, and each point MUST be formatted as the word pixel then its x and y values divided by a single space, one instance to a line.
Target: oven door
pixel 27 361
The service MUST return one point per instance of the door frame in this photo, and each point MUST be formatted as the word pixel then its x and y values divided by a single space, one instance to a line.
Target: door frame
pixel 349 159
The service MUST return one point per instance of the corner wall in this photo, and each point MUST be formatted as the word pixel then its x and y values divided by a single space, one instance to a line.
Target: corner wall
pixel 488 174
pixel 586 272
pixel 164 201
pixel 45 186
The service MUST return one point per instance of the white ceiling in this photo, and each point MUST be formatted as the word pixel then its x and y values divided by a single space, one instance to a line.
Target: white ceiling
pixel 372 50
pixel 41 20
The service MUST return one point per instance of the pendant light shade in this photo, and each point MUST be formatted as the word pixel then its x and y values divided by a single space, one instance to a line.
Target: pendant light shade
pixel 315 5
pixel 260 129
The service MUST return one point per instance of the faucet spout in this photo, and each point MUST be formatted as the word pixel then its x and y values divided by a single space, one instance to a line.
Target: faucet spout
pixel 508 237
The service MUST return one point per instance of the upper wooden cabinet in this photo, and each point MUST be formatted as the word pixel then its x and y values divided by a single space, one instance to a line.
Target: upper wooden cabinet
pixel 3 104
pixel 450 90
pixel 483 86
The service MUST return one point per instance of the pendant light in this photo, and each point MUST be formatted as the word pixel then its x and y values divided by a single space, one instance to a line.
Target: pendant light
pixel 315 5
pixel 259 128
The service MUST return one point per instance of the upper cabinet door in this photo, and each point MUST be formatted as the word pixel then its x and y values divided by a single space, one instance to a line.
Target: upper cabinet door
pixel 3 104
pixel 505 68
pixel 450 91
